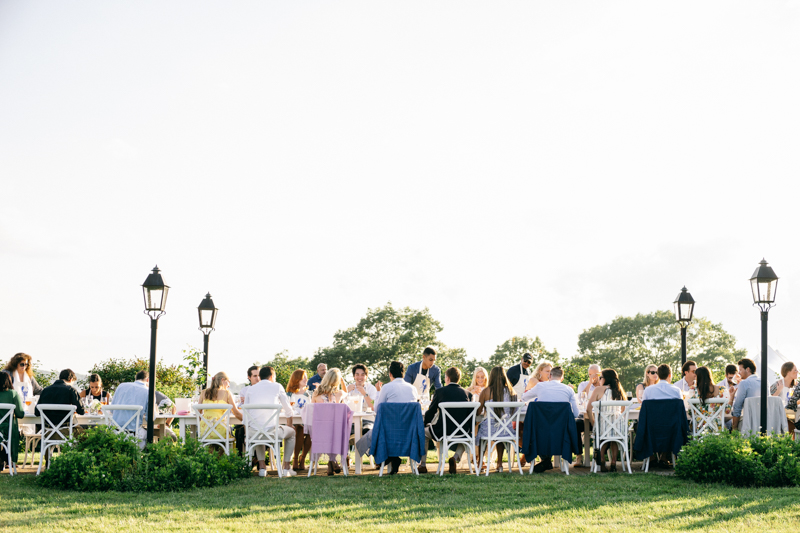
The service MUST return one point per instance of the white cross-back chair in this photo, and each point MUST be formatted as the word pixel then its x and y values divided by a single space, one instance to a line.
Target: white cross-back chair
pixel 7 418
pixel 131 415
pixel 612 426
pixel 462 433
pixel 54 434
pixel 707 423
pixel 502 430
pixel 261 423
pixel 214 430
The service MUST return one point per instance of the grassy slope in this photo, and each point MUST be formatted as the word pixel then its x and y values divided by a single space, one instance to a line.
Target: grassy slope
pixel 405 503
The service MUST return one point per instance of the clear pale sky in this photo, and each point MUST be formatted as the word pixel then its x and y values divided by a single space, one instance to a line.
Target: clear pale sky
pixel 520 168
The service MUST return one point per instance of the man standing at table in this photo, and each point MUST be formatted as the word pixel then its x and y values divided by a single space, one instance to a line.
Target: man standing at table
pixel 425 373
pixel 689 376
pixel 552 391
pixel 316 379
pixel 749 387
pixel 267 391
pixel 519 374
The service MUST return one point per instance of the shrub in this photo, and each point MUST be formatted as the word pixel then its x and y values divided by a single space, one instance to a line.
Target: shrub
pixel 733 459
pixel 100 459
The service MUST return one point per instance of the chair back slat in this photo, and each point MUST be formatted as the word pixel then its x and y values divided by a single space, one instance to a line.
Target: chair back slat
pixel 130 425
pixel 465 430
pixel 261 432
pixel 502 427
pixel 217 429
pixel 713 422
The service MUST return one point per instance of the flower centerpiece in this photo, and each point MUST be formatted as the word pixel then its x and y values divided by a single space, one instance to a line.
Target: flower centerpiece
pixel 165 406
pixel 95 407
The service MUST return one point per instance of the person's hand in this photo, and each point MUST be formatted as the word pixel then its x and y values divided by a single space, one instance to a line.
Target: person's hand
pixel 351 387
pixel 361 389
pixel 780 385
pixel 378 385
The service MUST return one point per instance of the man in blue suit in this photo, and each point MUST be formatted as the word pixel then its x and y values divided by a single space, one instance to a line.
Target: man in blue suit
pixel 425 373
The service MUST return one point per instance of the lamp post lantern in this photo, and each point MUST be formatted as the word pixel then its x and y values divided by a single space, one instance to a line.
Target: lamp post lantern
pixel 764 283
pixel 155 303
pixel 207 314
pixel 684 309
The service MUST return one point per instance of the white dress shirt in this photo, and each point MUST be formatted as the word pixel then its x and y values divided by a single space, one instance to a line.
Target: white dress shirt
pixel 682 385
pixel 397 391
pixel 553 391
pixel 586 386
pixel 662 391
pixel 266 391
pixel 372 392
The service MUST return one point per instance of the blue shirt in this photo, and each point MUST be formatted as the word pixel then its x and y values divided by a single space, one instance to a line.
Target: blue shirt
pixel 313 382
pixel 553 391
pixel 134 393
pixel 749 388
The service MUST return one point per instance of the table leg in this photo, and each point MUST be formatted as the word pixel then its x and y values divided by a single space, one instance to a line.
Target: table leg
pixel 587 443
pixel 359 428
pixel 182 428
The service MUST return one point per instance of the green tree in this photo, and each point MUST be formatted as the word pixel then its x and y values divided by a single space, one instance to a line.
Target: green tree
pixel 173 380
pixel 629 344
pixel 388 334
pixel 511 351
pixel 284 366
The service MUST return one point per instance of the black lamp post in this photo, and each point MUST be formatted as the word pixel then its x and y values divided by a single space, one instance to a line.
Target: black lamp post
pixel 207 314
pixel 684 309
pixel 155 303
pixel 764 283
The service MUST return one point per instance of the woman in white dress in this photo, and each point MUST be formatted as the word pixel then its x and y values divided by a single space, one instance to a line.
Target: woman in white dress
pixel 609 389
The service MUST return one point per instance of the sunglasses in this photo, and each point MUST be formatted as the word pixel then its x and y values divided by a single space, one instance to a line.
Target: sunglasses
pixel 23 364
pixel 652 372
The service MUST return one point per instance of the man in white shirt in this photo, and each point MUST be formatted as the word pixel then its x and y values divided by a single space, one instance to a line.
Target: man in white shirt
pixel 662 390
pixel 687 381
pixel 267 391
pixel 362 387
pixel 552 391
pixel 396 391
pixel 731 375
pixel 253 378
pixel 594 380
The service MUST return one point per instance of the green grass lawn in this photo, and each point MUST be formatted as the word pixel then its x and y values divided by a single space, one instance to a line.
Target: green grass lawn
pixel 501 502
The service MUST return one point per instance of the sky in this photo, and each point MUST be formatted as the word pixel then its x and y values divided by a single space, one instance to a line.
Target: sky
pixel 519 168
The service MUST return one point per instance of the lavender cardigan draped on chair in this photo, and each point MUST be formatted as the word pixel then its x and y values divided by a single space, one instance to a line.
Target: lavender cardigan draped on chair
pixel 330 429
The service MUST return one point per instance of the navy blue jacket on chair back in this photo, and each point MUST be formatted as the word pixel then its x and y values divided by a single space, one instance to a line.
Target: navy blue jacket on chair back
pixel 398 432
pixel 663 427
pixel 550 430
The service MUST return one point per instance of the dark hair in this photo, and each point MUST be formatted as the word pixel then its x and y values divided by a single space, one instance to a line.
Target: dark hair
pixel 664 371
pixel 785 369
pixel 611 380
pixel 67 375
pixel 428 351
pixel 6 383
pixel 705 383
pixel 95 378
pixel 496 387
pixel 730 369
pixel 556 372
pixel 142 374
pixel 250 370
pixel 396 369
pixel 454 374
pixel 266 372
pixel 747 363
pixel 17 359
pixel 359 366
pixel 686 366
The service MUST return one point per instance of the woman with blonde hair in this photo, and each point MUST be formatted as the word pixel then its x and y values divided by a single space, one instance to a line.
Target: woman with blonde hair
pixel 542 373
pixel 217 393
pixel 331 390
pixel 650 378
pixel 20 367
pixel 297 391
pixel 479 381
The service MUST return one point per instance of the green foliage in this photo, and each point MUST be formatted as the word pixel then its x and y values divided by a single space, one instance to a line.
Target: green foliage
pixel 174 381
pixel 629 344
pixel 194 365
pixel 43 378
pixel 732 459
pixel 388 334
pixel 100 459
pixel 511 351
pixel 284 366
pixel 574 374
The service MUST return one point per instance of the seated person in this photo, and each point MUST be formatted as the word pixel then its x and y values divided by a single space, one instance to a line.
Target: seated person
pixel 609 389
pixel 62 391
pixel 499 389
pixel 706 389
pixel 297 392
pixel 542 373
pixel 396 391
pixel 686 383
pixel 480 377
pixel 650 378
pixel 749 387
pixel 662 390
pixel 218 392
pixel 267 391
pixel 362 387
pixel 434 429
pixel 20 367
pixel 96 391
pixel 10 396
pixel 552 391
pixel 330 390
pixel 136 393
pixel 252 379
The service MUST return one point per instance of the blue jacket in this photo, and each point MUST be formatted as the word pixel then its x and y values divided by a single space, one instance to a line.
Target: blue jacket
pixel 549 430
pixel 434 374
pixel 398 432
pixel 662 428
